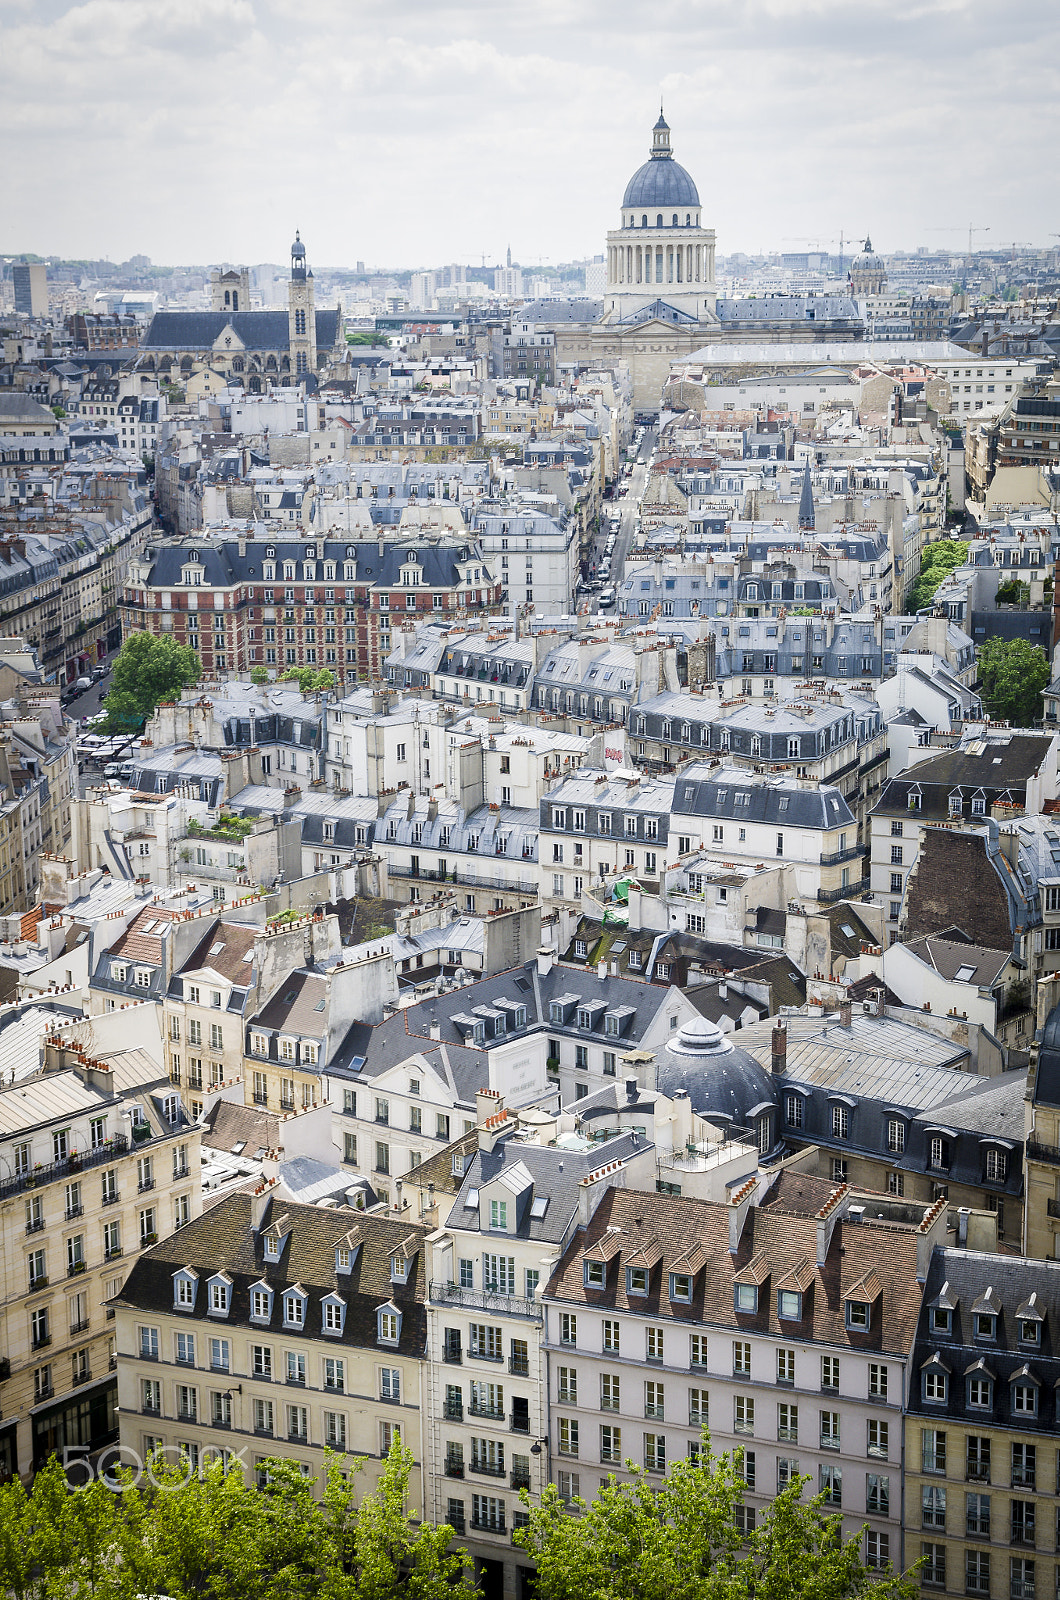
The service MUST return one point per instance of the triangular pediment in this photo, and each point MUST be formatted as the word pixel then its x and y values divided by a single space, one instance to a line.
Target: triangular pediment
pixel 228 339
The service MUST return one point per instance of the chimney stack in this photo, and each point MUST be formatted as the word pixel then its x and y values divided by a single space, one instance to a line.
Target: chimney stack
pixel 780 1049
pixel 844 1014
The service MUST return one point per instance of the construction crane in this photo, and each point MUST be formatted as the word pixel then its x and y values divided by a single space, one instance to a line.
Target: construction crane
pixel 973 227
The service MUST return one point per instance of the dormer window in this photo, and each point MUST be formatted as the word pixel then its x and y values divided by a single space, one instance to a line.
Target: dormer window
pixel 934 1382
pixel 941 1319
pixel 746 1298
pixel 399 1269
pixel 273 1245
pixel 332 1315
pixel 1029 1322
pixel 499 1216
pixel 636 1280
pixel 185 1287
pixel 294 1308
pixel 594 1274
pixel 985 1325
pixel 260 1303
pixel 388 1324
pixel 220 1297
pixel 681 1287
pixel 859 1315
pixel 1024 1391
pixel 789 1305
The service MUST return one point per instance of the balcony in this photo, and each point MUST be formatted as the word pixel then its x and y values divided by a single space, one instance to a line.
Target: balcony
pixel 37 1225
pixel 40 1341
pixel 111 1198
pixel 81 1377
pixel 453 1411
pixel 837 856
pixel 508 1305
pixel 479 1408
pixel 849 891
pixel 489 1469
pixel 453 1354
pixel 65 1167
pixel 1043 1152
pixel 498 1527
pixel 456 1522
pixel 38 1283
pixel 978 1472
pixel 79 1327
pixel 71 1213
pixel 145 1184
pixel 519 1365
pixel 829 1441
pixel 453 1467
pixel 75 1269
pixel 113 1253
pixel 520 1480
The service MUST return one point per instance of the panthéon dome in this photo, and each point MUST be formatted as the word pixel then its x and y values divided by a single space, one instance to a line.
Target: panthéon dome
pixel 661 181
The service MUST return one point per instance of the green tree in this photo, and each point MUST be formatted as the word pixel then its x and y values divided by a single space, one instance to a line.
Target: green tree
pixel 936 561
pixel 390 1555
pixel 1013 674
pixel 308 680
pixel 259 675
pixel 150 668
pixel 681 1541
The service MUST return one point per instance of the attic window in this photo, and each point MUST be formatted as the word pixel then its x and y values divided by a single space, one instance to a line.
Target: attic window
pixel 964 973
pixel 539 1206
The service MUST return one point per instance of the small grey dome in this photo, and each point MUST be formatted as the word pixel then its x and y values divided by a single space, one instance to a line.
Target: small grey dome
pixel 867 260
pixel 723 1082
pixel 661 181
pixel 298 248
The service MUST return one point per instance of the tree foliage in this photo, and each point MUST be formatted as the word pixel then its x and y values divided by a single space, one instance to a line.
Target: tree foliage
pixel 937 560
pixel 150 668
pixel 1013 674
pixel 308 680
pixel 259 675
pixel 681 1541
pixel 213 1535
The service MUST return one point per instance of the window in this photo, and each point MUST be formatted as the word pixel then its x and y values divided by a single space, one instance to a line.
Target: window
pixel 567 1436
pixel 1024 1465
pixel 568 1328
pixel 878 1438
pixel 788 1423
pixel 610 1443
pixel 840 1122
pixel 831 1484
pixel 793 1110
pixel 296 1367
pixel 877 1494
pixel 654 1344
pixel 830 1372
pixel 743 1414
pixel 335 1429
pixel 933 1450
pixel 612 1334
pixel 741 1358
pixel 654 1452
pixel 829 1430
pixel 977 1466
pixel 1025 1399
pixel 877 1381
pixel 785 1365
pixel 934 1386
pixel 895 1136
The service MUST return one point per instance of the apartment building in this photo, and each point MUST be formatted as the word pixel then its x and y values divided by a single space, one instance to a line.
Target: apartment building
pixel 534 554
pixel 487 1409
pixel 989 771
pixel 783 1326
pixel 275 1329
pixel 97 1161
pixel 281 602
pixel 595 826
pixel 749 817
pixel 982 1465
pixel 490 852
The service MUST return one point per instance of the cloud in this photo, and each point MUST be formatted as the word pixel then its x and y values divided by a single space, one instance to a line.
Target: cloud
pixel 202 130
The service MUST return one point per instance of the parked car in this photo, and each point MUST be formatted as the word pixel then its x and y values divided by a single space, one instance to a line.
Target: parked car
pixel 113 770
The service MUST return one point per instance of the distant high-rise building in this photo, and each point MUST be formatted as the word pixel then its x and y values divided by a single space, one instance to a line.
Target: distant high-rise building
pixel 30 279
pixel 508 281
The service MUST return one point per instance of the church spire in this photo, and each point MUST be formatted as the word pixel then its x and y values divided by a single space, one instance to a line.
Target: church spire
pixel 807 514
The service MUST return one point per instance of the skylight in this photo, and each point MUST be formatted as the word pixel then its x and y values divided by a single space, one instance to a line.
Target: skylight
pixel 964 973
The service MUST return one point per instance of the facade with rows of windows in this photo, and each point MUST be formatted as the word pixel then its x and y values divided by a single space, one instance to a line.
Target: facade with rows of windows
pixel 90 1175
pixel 783 1328
pixel 982 1449
pixel 266 1330
pixel 242 602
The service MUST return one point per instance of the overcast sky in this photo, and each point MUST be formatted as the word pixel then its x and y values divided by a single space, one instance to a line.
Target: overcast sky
pixel 420 132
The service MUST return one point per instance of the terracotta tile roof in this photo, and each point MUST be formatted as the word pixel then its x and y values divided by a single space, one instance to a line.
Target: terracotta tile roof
pixel 137 945
pixel 786 1244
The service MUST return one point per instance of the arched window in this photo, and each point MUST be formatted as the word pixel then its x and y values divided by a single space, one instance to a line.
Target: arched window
pixel 228 298
pixel 688 219
pixel 237 363
pixel 658 220
pixel 644 220
pixel 675 219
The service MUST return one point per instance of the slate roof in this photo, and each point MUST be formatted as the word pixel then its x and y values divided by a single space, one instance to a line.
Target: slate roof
pixel 787 1240
pixel 706 791
pixel 1017 1285
pixel 257 330
pixel 556 1173
pixel 223 1239
pixel 948 958
pixel 223 566
pixel 226 1125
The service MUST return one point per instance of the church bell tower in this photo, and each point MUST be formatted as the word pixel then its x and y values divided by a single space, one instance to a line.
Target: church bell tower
pixel 301 313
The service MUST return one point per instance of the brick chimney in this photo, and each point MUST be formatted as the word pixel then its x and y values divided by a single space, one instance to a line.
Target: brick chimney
pixel 780 1049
